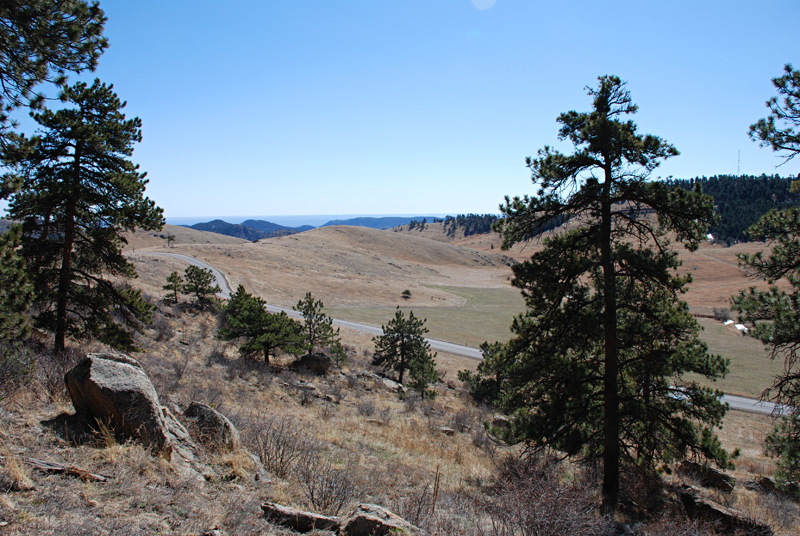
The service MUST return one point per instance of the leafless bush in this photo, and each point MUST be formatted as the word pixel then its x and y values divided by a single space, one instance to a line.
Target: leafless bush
pixel 162 327
pixel 722 313
pixel 327 488
pixel 278 441
pixel 51 368
pixel 366 408
pixel 531 498
pixel 385 415
pixel 419 505
pixel 17 368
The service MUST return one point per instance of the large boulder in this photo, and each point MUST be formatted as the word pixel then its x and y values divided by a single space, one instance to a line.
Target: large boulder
pixel 318 364
pixel 374 520
pixel 211 428
pixel 114 390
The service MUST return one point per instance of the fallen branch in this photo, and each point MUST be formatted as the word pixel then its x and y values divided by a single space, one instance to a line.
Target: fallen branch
pixel 70 470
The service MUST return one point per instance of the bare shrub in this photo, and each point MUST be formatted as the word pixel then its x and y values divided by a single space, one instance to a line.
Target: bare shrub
pixel 530 497
pixel 722 313
pixel 366 408
pixel 51 368
pixel 327 488
pixel 162 327
pixel 17 368
pixel 278 441
pixel 418 506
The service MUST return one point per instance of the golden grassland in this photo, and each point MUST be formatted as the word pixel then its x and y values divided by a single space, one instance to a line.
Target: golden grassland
pixel 391 449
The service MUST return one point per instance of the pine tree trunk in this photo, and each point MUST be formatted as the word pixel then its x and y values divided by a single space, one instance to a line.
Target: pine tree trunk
pixel 610 389
pixel 64 279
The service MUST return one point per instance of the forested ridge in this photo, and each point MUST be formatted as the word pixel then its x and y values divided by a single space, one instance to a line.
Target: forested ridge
pixel 741 199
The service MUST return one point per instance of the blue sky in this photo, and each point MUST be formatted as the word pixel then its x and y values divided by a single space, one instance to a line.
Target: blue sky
pixel 420 107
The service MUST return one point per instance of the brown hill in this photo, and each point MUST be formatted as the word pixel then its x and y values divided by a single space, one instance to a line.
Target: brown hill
pixel 343 266
pixel 183 235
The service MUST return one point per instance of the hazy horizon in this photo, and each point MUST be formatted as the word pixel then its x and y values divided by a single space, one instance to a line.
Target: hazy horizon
pixel 294 220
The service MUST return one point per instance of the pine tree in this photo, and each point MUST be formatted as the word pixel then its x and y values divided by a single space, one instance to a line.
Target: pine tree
pixel 775 313
pixel 605 333
pixel 174 286
pixel 245 317
pixel 80 193
pixel 15 290
pixel 403 340
pixel 422 372
pixel 317 326
pixel 199 282
pixel 42 42
pixel 777 130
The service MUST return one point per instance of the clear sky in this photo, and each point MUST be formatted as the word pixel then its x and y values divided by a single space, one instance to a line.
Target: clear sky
pixel 266 107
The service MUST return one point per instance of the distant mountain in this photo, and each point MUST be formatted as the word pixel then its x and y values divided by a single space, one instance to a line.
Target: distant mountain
pixel 273 228
pixel 386 222
pixel 249 229
pixel 230 229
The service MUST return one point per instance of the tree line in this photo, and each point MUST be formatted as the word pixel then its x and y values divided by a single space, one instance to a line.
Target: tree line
pixel 740 200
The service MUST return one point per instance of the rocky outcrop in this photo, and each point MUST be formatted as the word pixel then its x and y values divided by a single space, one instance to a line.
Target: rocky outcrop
pixel 114 390
pixel 708 476
pixel 374 520
pixel 299 520
pixel 366 520
pixel 725 520
pixel 318 364
pixel 211 428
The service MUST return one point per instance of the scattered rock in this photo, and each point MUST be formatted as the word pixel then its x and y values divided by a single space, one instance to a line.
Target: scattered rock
pixel 393 385
pixel 725 520
pixel 299 520
pixel 304 385
pixel 708 476
pixel 374 520
pixel 114 390
pixel 211 428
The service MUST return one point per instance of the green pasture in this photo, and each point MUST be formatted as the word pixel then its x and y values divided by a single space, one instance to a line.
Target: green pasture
pixel 488 312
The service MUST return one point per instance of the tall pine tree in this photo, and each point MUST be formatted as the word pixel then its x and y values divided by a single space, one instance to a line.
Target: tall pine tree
pixel 80 193
pixel 775 313
pixel 605 335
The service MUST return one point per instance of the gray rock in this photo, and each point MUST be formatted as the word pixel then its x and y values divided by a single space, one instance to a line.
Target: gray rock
pixel 211 428
pixel 374 520
pixel 708 476
pixel 299 520
pixel 114 390
pixel 725 520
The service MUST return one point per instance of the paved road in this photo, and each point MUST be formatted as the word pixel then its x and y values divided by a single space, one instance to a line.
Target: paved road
pixel 739 403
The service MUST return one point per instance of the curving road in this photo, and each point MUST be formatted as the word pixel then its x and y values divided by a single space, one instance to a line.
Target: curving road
pixel 738 403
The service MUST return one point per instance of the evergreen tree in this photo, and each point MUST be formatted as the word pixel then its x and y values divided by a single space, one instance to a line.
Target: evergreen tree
pixel 775 313
pixel 317 326
pixel 605 333
pixel 80 194
pixel 403 340
pixel 422 372
pixel 15 289
pixel 200 282
pixel 777 130
pixel 173 287
pixel 43 41
pixel 245 316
